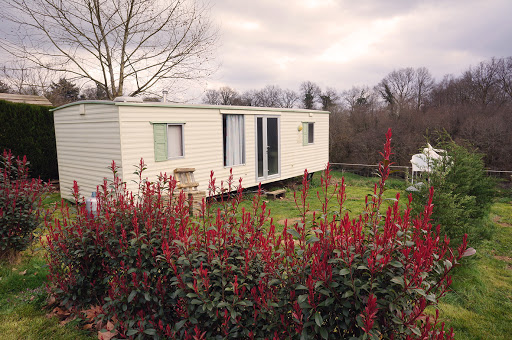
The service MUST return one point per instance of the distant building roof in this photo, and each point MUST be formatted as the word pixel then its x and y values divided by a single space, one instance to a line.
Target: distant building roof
pixel 22 98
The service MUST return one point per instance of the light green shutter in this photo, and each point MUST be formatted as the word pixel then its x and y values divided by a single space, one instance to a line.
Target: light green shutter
pixel 160 139
pixel 305 133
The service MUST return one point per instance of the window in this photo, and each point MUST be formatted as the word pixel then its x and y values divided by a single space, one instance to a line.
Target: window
pixel 308 133
pixel 311 133
pixel 168 139
pixel 174 141
pixel 233 134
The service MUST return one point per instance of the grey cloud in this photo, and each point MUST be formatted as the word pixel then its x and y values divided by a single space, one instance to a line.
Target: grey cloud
pixel 444 36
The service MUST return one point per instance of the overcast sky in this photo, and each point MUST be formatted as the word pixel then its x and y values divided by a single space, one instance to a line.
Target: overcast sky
pixel 339 43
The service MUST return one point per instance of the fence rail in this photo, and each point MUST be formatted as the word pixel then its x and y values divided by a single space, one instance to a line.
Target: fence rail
pixel 407 169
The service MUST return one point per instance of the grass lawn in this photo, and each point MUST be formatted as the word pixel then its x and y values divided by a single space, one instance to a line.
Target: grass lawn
pixel 22 297
pixel 357 188
pixel 479 306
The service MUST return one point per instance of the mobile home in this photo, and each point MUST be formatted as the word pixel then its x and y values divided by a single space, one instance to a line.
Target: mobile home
pixel 259 144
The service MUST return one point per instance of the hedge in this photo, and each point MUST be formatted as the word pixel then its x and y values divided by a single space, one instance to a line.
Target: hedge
pixel 29 130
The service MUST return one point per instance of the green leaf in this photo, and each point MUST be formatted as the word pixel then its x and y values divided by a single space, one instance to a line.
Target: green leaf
pixel 431 298
pixel 318 319
pixel 302 298
pixel 312 239
pixel 132 295
pixel 396 264
pixel 223 304
pixel 150 331
pixel 347 294
pixel 274 282
pixel 293 232
pixel 132 332
pixel 416 331
pixel 344 271
pixel 323 333
pixel 180 324
pixel 398 280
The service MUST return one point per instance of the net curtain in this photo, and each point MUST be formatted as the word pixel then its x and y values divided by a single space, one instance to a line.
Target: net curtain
pixel 235 140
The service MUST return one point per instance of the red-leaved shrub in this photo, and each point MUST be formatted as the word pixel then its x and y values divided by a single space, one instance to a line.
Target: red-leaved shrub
pixel 20 203
pixel 159 273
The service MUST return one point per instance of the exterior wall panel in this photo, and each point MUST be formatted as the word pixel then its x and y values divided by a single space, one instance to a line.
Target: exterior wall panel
pixel 86 145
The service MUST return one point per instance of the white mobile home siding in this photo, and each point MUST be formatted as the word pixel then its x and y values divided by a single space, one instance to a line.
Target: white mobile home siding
pixel 130 128
pixel 86 145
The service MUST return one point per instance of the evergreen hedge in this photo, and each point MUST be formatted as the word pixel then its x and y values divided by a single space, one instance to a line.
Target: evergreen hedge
pixel 28 130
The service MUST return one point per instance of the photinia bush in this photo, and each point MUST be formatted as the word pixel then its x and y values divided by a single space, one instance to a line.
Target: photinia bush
pixel 20 203
pixel 157 272
pixel 464 192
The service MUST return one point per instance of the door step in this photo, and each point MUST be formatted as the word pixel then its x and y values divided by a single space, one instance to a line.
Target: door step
pixel 276 194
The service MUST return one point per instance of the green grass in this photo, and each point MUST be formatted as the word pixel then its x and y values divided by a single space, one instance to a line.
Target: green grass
pixel 480 304
pixel 23 298
pixel 357 188
pixel 478 307
pixel 22 301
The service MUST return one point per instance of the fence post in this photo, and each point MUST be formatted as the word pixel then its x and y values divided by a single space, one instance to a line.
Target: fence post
pixel 407 175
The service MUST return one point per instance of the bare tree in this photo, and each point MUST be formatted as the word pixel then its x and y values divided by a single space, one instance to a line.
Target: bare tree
pixel 212 97
pixel 397 89
pixel 360 98
pixel 269 96
pixel 483 83
pixel 309 92
pixel 424 83
pixel 505 75
pixel 290 98
pixel 94 93
pixel 228 96
pixel 120 44
pixel 247 98
pixel 329 99
pixel 25 79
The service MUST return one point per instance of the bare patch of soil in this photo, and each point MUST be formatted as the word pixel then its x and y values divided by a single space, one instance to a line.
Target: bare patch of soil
pixel 506 259
pixel 293 220
pixel 497 220
pixel 503 258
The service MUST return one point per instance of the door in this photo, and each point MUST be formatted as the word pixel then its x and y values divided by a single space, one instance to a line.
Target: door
pixel 268 162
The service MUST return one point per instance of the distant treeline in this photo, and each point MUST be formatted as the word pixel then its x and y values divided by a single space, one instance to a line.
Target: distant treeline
pixel 474 107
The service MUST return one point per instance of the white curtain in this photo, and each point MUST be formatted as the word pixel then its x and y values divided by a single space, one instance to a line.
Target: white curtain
pixel 174 141
pixel 235 140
